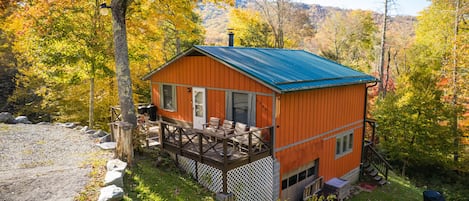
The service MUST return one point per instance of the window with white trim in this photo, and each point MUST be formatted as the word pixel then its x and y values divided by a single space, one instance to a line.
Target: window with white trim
pixel 344 144
pixel 168 97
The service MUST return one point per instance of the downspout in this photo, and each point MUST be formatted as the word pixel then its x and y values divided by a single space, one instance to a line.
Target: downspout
pixel 364 126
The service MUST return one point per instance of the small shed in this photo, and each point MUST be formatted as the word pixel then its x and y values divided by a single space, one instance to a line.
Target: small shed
pixel 315 107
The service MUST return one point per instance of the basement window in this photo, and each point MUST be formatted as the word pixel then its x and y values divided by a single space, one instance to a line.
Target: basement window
pixel 344 144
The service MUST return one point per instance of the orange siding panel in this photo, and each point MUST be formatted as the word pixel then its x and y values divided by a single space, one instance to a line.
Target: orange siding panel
pixel 202 71
pixel 307 114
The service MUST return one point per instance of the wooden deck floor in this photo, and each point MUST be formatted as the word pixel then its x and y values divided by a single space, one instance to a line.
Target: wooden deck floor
pixel 223 153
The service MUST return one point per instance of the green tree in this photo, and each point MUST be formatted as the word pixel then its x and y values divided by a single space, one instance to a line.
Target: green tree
pixel 413 121
pixel 349 38
pixel 250 29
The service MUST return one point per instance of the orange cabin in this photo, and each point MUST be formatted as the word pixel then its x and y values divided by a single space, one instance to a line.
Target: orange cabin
pixel 316 106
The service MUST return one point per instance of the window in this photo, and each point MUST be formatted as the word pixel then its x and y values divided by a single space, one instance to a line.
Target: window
pixel 302 176
pixel 240 107
pixel 344 144
pixel 168 98
pixel 292 180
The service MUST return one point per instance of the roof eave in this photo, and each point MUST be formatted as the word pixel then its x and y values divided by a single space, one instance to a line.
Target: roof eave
pixel 327 86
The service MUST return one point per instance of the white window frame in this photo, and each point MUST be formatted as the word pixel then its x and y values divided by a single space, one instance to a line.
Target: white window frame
pixel 173 95
pixel 344 144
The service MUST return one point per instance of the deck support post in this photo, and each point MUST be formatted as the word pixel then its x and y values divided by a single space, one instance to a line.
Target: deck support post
pixel 225 181
pixel 225 164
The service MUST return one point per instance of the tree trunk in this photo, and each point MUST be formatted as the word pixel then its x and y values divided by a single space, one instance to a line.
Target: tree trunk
pixel 91 110
pixel 124 82
pixel 383 43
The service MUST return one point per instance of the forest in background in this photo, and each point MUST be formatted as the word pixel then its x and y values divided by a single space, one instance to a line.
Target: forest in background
pixel 57 64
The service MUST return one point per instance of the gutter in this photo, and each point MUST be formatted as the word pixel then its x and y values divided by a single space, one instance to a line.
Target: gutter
pixel 364 126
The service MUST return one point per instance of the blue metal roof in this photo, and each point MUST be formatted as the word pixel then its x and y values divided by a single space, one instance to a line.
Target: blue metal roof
pixel 286 70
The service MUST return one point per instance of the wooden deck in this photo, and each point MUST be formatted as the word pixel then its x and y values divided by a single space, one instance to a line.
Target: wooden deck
pixel 217 150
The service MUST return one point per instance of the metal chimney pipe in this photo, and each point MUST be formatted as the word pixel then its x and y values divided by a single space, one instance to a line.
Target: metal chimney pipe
pixel 230 39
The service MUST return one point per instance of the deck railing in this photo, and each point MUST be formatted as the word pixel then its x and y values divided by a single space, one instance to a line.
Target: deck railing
pixel 215 149
pixel 377 160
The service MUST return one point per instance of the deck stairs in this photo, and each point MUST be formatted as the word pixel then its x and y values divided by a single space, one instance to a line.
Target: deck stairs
pixel 375 166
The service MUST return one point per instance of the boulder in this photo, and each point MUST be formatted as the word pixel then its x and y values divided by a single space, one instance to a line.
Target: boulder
pixel 6 117
pixel 84 129
pixel 111 193
pixel 90 131
pixel 69 125
pixel 114 178
pixel 106 138
pixel 107 145
pixel 99 134
pixel 22 120
pixel 116 165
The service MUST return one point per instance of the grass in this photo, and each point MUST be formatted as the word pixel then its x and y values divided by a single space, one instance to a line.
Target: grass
pixel 146 181
pixel 398 189
pixel 97 162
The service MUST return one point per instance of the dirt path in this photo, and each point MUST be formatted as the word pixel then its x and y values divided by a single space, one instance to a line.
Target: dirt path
pixel 43 162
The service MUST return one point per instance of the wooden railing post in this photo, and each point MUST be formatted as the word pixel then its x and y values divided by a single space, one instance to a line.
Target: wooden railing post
pixel 201 145
pixel 179 131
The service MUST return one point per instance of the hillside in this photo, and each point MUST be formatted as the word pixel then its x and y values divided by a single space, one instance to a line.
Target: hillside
pixel 215 19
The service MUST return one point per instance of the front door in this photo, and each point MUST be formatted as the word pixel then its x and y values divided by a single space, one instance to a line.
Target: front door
pixel 199 107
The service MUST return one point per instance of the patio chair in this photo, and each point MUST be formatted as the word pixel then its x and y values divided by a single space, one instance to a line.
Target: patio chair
pixel 256 142
pixel 212 125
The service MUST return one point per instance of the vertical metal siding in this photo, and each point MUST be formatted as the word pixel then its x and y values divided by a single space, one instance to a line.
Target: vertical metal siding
pixel 306 114
pixel 202 71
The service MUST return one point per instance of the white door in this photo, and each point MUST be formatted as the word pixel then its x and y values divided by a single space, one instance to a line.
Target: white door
pixel 199 107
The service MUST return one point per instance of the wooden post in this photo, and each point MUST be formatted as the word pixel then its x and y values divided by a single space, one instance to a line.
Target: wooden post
pixel 225 180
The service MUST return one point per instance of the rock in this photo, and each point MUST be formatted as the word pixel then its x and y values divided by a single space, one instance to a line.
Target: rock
pixel 6 117
pixel 60 124
pixel 116 165
pixel 106 138
pixel 44 123
pixel 90 131
pixel 78 127
pixel 107 145
pixel 99 134
pixel 22 120
pixel 111 193
pixel 84 129
pixel 69 125
pixel 114 178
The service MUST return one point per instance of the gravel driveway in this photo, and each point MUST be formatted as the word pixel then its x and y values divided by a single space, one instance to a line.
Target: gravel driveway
pixel 43 162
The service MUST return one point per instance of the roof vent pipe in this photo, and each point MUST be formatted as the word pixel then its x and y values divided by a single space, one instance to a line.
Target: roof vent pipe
pixel 230 39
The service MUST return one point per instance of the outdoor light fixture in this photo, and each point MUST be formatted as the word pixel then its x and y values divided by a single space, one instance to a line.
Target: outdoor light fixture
pixel 103 9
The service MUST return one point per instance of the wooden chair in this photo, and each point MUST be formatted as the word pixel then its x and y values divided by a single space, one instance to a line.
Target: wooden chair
pixel 256 139
pixel 212 125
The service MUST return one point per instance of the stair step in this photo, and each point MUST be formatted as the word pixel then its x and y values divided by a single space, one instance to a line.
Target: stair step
pixel 369 169
pixel 366 164
pixel 377 178
pixel 382 182
pixel 373 173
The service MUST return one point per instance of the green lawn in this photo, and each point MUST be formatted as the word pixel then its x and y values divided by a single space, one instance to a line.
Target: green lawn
pixel 398 189
pixel 145 181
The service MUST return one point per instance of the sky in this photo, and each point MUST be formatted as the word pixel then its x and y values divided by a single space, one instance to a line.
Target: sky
pixel 401 7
